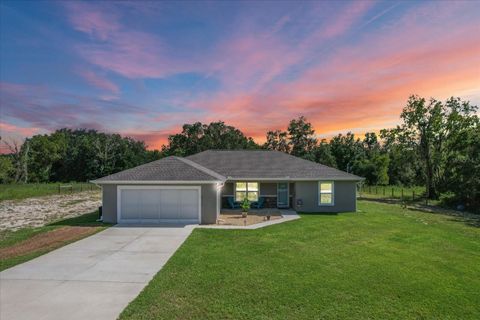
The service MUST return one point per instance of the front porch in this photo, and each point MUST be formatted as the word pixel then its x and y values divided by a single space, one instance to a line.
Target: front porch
pixel 273 195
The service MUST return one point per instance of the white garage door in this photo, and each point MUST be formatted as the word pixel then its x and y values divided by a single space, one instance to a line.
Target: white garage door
pixel 155 204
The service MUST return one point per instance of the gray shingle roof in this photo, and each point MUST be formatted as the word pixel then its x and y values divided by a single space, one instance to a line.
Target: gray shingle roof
pixel 219 165
pixel 166 169
pixel 266 164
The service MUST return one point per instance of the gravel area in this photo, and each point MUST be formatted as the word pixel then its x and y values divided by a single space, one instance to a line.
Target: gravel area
pixel 36 212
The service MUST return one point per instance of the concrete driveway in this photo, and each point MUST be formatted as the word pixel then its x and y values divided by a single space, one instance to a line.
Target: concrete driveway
pixel 94 278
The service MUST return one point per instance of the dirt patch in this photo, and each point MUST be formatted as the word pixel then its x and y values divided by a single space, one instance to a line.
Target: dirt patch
pixel 46 241
pixel 238 220
pixel 36 212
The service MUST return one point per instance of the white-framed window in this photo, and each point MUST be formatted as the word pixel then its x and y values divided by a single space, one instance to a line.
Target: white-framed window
pixel 325 193
pixel 247 190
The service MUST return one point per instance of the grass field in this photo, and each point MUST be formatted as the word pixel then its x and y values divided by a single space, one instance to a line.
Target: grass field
pixel 393 191
pixel 23 191
pixel 20 246
pixel 383 262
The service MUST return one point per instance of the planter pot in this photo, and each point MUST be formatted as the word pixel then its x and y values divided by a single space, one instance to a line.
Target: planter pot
pixel 244 214
pixel 268 218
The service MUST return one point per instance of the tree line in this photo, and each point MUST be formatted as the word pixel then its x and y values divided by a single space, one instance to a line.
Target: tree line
pixel 437 144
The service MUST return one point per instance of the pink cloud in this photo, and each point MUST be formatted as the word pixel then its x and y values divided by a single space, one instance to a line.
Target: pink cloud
pixel 99 81
pixel 11 129
pixel 351 14
pixel 116 48
pixel 363 85
pixel 88 18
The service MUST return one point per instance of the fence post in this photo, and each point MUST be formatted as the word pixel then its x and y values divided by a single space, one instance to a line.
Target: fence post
pixel 402 194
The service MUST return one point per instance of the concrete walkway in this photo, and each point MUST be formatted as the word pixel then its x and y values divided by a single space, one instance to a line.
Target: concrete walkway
pixel 287 215
pixel 94 278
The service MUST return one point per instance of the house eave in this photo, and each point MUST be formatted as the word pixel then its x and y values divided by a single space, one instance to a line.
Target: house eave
pixel 146 182
pixel 229 179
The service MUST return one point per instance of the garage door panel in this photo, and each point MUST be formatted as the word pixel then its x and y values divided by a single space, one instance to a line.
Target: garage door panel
pixel 188 204
pixel 152 205
pixel 149 204
pixel 169 204
pixel 130 203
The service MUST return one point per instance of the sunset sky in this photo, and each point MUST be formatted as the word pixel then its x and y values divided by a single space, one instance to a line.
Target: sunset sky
pixel 143 69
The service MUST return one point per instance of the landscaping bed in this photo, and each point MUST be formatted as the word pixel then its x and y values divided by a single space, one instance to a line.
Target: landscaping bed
pixel 236 219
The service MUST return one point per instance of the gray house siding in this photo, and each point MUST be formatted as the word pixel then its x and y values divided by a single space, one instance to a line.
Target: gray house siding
pixel 345 198
pixel 208 199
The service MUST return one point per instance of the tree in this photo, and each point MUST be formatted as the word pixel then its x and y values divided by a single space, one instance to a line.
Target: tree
pixel 323 154
pixel 199 137
pixel 370 143
pixel 6 169
pixel 461 174
pixel 277 140
pixel 405 167
pixel 374 170
pixel 302 138
pixel 429 126
pixel 346 150
pixel 19 157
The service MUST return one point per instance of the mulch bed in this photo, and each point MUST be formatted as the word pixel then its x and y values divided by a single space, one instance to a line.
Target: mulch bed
pixel 46 241
pixel 238 220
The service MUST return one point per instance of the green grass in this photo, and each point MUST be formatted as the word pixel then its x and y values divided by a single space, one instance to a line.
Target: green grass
pixel 23 191
pixel 383 262
pixel 10 238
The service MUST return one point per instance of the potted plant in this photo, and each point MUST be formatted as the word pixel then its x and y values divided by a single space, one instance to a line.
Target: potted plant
pixel 245 206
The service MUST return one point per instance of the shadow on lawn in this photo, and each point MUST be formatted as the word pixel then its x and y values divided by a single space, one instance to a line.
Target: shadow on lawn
pixel 468 218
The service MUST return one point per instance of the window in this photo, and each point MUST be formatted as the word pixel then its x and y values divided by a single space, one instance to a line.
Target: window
pixel 325 193
pixel 247 190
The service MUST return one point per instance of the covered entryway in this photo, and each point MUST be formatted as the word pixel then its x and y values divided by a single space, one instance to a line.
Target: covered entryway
pixel 158 204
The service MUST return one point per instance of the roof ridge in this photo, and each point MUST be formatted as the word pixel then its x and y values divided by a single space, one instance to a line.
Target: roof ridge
pixel 201 168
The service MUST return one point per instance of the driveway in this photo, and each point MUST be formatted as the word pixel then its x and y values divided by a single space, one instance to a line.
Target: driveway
pixel 94 278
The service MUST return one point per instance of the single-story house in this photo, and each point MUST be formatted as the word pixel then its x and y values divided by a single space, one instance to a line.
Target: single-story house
pixel 194 189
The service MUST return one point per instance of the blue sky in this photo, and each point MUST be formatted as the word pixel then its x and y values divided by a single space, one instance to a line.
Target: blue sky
pixel 145 68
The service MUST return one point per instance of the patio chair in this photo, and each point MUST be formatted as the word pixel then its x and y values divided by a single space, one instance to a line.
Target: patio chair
pixel 233 204
pixel 258 204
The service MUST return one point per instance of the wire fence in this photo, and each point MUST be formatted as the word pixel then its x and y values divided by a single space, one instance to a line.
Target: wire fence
pixel 394 193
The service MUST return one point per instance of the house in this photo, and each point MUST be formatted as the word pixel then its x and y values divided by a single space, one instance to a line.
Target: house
pixel 194 189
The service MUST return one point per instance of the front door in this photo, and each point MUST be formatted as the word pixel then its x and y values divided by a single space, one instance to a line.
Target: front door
pixel 282 195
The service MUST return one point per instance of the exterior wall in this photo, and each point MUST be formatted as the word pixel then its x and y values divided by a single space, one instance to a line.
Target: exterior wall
pixel 268 189
pixel 227 189
pixel 345 197
pixel 109 203
pixel 208 199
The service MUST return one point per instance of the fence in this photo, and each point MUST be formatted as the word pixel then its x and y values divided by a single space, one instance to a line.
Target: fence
pixel 394 193
pixel 78 187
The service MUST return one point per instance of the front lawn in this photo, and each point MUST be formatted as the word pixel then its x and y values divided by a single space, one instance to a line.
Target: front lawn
pixel 25 244
pixel 383 262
